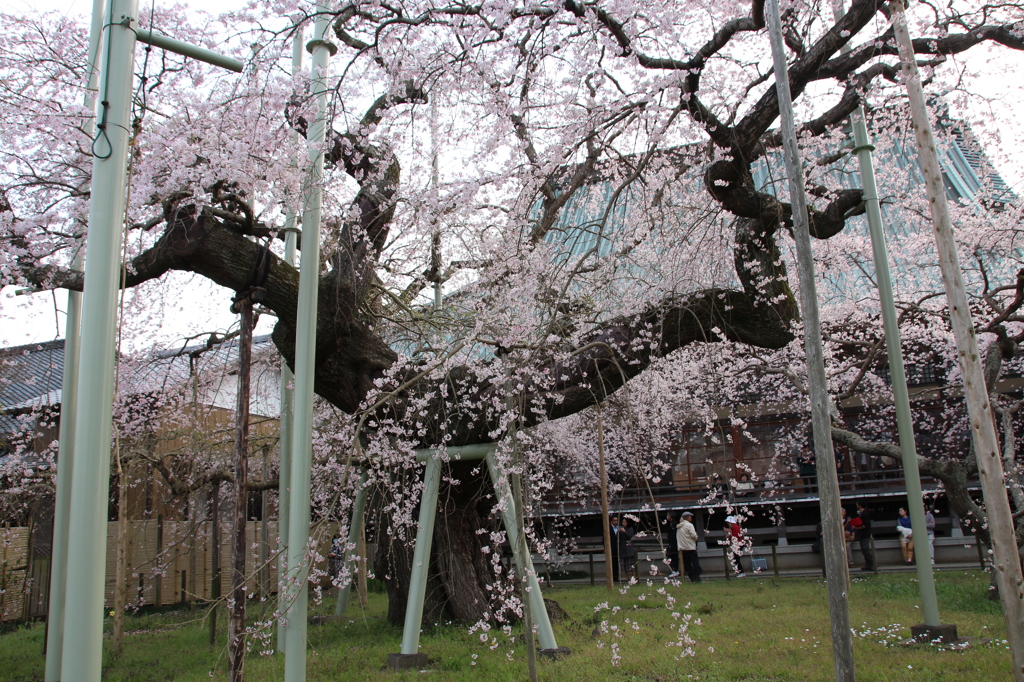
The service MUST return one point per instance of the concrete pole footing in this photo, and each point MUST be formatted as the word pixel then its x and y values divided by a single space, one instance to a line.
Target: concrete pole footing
pixel 407 661
pixel 925 634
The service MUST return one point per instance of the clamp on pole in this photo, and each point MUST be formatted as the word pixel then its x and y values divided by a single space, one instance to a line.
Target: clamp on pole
pixel 313 44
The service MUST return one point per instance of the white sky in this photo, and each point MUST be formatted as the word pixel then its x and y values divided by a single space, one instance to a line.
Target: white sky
pixel 40 317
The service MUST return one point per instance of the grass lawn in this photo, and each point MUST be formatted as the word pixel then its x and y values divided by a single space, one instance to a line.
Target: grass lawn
pixel 750 629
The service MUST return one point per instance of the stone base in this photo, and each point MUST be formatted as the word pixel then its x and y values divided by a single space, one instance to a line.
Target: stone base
pixel 930 633
pixel 555 653
pixel 406 661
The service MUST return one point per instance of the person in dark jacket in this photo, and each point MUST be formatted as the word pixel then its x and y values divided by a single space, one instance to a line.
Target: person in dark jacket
pixel 671 545
pixel 627 553
pixel 615 528
pixel 863 536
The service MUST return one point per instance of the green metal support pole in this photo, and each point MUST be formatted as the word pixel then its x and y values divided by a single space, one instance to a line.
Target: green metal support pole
pixel 68 401
pixel 81 655
pixel 828 481
pixel 901 396
pixel 305 358
pixel 284 486
pixel 421 558
pixel 355 527
pixel 507 503
pixel 202 54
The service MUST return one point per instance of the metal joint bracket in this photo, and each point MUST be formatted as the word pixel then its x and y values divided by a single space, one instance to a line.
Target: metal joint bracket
pixel 313 44
pixel 862 147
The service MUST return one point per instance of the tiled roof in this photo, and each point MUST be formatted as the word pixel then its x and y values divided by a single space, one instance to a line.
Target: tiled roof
pixel 30 376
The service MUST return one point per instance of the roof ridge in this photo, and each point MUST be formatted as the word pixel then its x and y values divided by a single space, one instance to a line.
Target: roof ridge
pixel 32 347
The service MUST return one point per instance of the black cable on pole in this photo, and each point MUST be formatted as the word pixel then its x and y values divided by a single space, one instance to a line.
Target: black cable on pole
pixel 101 127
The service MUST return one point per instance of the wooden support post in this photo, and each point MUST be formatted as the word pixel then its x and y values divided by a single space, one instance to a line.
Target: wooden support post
pixel 214 561
pixel 362 560
pixel 834 547
pixel 264 531
pixel 606 532
pixel 121 557
pixel 775 561
pixel 236 616
pixel 591 555
pixel 524 568
pixel 1006 559
pixel 158 596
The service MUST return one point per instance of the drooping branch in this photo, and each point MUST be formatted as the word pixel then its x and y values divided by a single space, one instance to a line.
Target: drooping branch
pixel 601 361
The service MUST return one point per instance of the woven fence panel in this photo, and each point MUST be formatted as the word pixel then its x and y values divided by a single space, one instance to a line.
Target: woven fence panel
pixel 13 573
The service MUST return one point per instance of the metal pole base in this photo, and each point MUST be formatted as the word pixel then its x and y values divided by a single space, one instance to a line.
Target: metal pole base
pixel 556 653
pixel 925 634
pixel 406 661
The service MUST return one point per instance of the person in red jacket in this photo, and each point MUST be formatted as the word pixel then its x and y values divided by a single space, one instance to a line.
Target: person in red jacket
pixel 735 540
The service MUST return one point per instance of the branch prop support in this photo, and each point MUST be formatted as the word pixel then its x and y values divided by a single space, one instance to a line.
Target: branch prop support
pixel 184 49
pixel 901 395
pixel 410 655
pixel 301 436
pixel 291 238
pixel 355 527
pixel 82 628
pixel 256 292
pixel 69 390
pixel 1006 559
pixel 828 481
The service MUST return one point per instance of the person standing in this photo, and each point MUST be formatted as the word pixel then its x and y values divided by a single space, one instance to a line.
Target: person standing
pixel 627 552
pixel 929 524
pixel 615 548
pixel 863 530
pixel 672 546
pixel 906 536
pixel 735 539
pixel 686 539
pixel 848 536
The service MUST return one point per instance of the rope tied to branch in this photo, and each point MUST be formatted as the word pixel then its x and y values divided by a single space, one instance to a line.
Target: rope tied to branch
pixel 256 291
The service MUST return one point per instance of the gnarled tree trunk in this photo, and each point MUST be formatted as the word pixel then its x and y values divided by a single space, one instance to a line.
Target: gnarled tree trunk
pixel 461 583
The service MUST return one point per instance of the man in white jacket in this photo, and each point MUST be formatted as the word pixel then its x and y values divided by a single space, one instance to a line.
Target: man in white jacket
pixel 686 537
